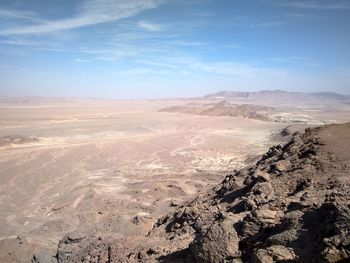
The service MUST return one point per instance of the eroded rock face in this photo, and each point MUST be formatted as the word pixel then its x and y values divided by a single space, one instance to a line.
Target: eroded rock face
pixel 68 245
pixel 293 205
pixel 218 244
pixel 273 254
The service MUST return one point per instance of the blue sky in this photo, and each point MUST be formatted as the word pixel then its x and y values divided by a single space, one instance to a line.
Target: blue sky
pixel 172 48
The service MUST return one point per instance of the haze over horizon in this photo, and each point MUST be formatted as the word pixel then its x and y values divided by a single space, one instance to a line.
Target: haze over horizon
pixel 167 48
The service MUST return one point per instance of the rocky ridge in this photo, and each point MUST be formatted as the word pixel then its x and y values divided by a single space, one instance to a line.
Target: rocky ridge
pixel 224 108
pixel 292 205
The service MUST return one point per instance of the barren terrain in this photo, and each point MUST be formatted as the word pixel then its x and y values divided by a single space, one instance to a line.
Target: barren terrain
pixel 67 166
pixel 115 166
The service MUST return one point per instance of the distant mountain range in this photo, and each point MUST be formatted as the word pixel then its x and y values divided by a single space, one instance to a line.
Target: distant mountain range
pixel 278 94
pixel 276 98
pixel 280 98
pixel 277 105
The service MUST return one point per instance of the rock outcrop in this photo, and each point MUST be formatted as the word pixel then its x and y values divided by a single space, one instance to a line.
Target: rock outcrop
pixel 292 205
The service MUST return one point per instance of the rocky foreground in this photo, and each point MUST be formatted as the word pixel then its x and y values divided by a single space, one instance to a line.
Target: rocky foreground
pixel 292 205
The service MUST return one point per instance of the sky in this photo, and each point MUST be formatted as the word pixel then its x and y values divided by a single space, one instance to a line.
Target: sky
pixel 130 49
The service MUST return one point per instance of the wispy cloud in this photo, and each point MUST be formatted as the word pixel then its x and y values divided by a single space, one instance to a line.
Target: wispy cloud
pixel 158 64
pixel 233 46
pixel 235 69
pixel 80 60
pixel 200 13
pixel 189 43
pixel 35 43
pixel 18 14
pixel 180 65
pixel 92 12
pixel 250 22
pixel 298 15
pixel 295 60
pixel 21 42
pixel 311 4
pixel 149 26
pixel 139 71
pixel 224 68
pixel 111 54
pixel 266 24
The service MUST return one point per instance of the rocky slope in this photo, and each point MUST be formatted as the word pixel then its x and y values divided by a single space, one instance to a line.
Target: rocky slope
pixel 292 205
pixel 224 108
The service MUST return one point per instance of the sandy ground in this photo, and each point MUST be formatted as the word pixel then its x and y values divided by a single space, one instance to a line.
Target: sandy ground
pixel 115 165
pixel 98 162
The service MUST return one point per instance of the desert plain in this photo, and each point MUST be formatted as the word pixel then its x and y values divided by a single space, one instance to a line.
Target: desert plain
pixel 116 166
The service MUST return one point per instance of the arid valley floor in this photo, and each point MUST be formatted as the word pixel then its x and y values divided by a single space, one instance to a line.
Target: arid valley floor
pixel 117 166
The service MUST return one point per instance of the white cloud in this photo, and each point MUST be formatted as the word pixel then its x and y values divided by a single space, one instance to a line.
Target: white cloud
pixel 149 26
pixel 90 13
